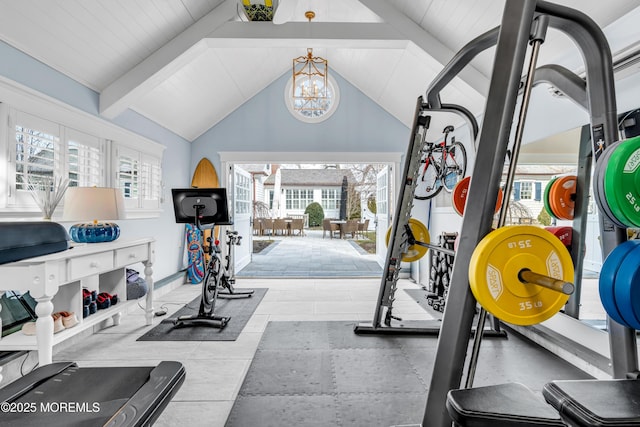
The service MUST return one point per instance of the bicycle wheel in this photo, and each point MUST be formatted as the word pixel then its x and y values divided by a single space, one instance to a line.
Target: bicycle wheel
pixel 210 286
pixel 429 184
pixel 455 165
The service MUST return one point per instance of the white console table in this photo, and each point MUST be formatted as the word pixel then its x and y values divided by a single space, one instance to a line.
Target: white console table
pixel 56 280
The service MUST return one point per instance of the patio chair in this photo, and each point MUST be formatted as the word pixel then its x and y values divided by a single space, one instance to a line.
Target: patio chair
pixel 267 226
pixel 257 226
pixel 331 228
pixel 279 225
pixel 351 227
pixel 297 224
pixel 363 227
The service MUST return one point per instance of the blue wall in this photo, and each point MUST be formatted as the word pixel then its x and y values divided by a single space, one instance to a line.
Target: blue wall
pixel 25 70
pixel 265 124
pixel 261 124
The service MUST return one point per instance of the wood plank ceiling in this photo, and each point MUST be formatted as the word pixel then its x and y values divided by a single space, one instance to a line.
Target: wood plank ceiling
pixel 169 59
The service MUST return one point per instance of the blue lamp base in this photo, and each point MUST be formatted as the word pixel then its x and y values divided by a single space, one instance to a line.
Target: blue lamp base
pixel 94 233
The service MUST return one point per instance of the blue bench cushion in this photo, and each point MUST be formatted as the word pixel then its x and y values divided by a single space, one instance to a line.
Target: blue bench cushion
pixel 20 240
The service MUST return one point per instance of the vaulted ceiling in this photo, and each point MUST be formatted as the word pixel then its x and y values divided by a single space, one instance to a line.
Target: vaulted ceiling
pixel 187 64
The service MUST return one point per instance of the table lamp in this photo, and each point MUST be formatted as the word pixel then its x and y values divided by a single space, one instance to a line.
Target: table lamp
pixel 96 204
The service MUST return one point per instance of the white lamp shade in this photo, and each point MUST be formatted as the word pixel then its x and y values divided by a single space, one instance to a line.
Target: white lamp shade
pixel 93 203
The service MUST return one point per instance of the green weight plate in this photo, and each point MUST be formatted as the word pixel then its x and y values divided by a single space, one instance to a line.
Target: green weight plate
pixel 545 199
pixel 598 187
pixel 622 182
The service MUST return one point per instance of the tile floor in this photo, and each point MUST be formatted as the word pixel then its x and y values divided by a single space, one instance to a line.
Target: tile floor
pixel 216 369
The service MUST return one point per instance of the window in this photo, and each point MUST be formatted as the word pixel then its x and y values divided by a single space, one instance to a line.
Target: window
pixel 270 203
pixel 331 198
pixel 243 193
pixel 321 110
pixel 37 152
pixel 381 195
pixel 298 199
pixel 85 160
pixel 44 151
pixel 527 190
pixel 34 150
pixel 150 181
pixel 139 176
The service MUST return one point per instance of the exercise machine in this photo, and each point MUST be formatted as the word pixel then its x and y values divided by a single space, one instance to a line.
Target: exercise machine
pixel 205 208
pixel 65 395
pixel 525 22
pixel 228 278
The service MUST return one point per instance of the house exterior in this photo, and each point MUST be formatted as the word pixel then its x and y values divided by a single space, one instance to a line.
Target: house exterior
pixel 530 183
pixel 259 173
pixel 289 191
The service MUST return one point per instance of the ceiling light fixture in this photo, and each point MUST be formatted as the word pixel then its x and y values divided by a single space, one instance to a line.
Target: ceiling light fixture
pixel 309 88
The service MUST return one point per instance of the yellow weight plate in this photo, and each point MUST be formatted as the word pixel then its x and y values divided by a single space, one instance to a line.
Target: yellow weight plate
pixel 496 263
pixel 420 233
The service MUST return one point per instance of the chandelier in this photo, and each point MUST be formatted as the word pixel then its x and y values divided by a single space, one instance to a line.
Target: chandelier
pixel 310 90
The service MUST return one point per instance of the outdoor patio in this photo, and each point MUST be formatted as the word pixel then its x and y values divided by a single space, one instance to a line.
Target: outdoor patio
pixel 311 255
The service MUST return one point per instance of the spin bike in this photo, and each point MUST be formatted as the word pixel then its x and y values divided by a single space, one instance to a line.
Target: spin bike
pixel 228 278
pixel 210 285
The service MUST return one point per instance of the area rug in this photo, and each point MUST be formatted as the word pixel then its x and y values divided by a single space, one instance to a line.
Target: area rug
pixel 240 310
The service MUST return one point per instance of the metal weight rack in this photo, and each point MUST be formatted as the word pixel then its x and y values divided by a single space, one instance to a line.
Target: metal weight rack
pixel 596 93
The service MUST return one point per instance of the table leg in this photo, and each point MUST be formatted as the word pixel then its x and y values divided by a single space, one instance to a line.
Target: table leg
pixel 148 277
pixel 44 329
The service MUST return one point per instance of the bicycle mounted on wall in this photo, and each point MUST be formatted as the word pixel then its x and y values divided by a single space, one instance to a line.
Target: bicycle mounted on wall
pixel 205 208
pixel 445 163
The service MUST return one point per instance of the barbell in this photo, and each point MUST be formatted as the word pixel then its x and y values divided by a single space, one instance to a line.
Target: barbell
pixel 521 274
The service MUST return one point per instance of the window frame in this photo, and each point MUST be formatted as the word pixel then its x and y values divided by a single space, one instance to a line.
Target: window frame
pixel 290 199
pixel 91 134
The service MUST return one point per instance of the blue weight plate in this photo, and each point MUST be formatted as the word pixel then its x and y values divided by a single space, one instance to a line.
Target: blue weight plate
pixel 627 288
pixel 608 273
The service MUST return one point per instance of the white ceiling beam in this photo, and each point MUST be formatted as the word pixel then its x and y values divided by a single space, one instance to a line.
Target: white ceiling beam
pixel 299 34
pixel 425 41
pixel 153 70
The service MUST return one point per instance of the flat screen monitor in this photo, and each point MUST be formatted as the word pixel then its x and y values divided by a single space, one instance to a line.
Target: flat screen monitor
pixel 211 202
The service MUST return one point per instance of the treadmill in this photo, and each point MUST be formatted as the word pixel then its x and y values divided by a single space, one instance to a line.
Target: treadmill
pixel 65 395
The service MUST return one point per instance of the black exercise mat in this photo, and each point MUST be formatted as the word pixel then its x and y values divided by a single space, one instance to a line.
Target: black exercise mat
pixel 239 309
pixel 309 374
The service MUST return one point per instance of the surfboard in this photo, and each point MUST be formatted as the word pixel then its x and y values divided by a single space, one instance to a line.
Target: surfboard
pixel 204 176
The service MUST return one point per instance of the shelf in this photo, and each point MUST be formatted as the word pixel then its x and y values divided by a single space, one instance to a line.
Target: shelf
pixel 20 341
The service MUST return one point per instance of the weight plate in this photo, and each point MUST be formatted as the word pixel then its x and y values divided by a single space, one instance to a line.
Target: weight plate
pixel 562 233
pixel 460 193
pixel 545 198
pixel 496 263
pixel 627 295
pixel 608 273
pixel 562 197
pixel 598 186
pixel 610 203
pixel 420 233
pixel 622 182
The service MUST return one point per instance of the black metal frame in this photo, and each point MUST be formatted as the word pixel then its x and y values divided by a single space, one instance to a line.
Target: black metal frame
pixel 511 40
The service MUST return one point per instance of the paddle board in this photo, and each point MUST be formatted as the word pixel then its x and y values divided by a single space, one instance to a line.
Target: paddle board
pixel 204 176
